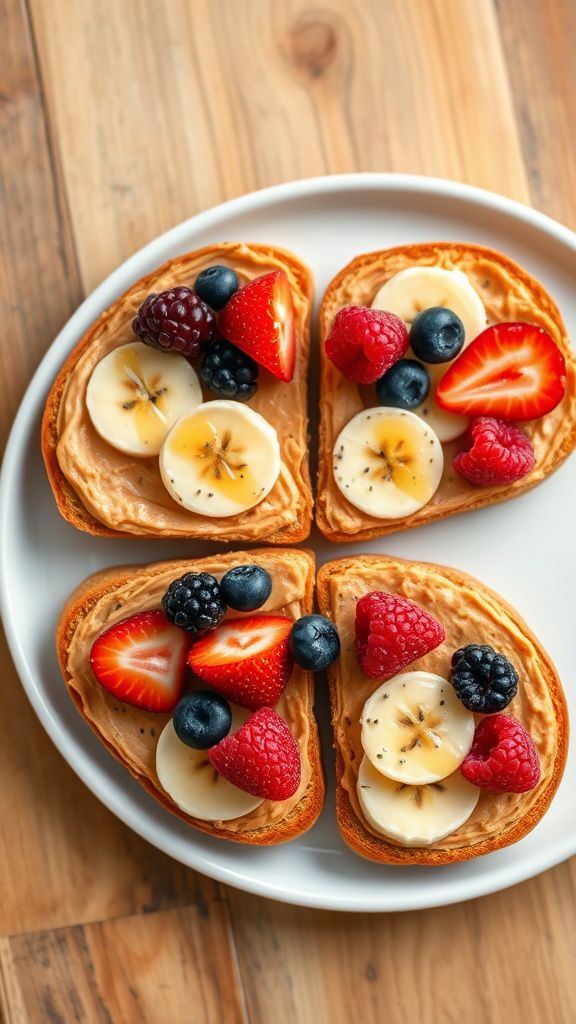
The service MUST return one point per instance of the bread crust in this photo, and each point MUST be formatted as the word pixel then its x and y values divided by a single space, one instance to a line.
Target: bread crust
pixel 69 502
pixel 83 599
pixel 479 497
pixel 353 830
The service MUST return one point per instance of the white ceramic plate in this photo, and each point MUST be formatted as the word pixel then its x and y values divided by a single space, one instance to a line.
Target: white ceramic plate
pixel 524 549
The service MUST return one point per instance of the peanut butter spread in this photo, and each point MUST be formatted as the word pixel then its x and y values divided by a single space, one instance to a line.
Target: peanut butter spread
pixel 468 615
pixel 508 295
pixel 132 733
pixel 126 493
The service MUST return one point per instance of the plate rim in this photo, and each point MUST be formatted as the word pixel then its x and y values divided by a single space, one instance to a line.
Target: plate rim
pixel 485 882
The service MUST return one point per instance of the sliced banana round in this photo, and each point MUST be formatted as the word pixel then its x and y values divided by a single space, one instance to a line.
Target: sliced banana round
pixel 193 784
pixel 417 288
pixel 221 459
pixel 415 730
pixel 414 815
pixel 137 393
pixel 387 462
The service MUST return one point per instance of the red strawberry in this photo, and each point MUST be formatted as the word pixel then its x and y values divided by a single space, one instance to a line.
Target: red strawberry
pixel 247 660
pixel 259 319
pixel 142 661
pixel 391 633
pixel 262 758
pixel 514 371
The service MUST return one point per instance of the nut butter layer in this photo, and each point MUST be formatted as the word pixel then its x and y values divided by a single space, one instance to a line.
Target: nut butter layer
pixel 470 613
pixel 508 293
pixel 102 491
pixel 131 734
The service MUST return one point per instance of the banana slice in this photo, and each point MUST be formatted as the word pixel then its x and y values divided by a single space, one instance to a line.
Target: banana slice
pixel 415 730
pixel 417 288
pixel 221 459
pixel 193 784
pixel 387 462
pixel 136 394
pixel 414 815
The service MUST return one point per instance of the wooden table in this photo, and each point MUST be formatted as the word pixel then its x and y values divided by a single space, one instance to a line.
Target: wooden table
pixel 118 118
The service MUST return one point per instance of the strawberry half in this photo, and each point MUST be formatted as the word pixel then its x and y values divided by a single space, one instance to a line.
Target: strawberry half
pixel 247 660
pixel 259 319
pixel 142 661
pixel 512 371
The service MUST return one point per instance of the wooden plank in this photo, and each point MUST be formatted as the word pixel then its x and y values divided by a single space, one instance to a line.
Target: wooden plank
pixel 56 873
pixel 506 958
pixel 177 107
pixel 175 965
pixel 539 43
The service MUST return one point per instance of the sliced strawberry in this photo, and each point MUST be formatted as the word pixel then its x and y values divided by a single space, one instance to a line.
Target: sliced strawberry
pixel 259 319
pixel 247 660
pixel 142 661
pixel 513 371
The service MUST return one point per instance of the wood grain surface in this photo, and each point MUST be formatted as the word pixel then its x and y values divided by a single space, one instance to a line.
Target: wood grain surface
pixel 119 118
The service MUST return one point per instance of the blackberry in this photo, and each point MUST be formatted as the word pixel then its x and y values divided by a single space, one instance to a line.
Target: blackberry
pixel 228 372
pixel 194 603
pixel 175 321
pixel 484 680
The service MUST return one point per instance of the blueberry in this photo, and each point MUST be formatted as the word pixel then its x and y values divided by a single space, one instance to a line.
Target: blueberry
pixel 314 642
pixel 202 719
pixel 437 335
pixel 246 587
pixel 216 285
pixel 404 386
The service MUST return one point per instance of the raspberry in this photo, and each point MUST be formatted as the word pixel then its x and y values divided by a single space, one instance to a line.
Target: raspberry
pixel 484 680
pixel 261 758
pixel 176 320
pixel 364 343
pixel 392 632
pixel 500 453
pixel 503 757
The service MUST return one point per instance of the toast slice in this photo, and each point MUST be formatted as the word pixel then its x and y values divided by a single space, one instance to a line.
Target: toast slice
pixel 103 491
pixel 470 613
pixel 131 734
pixel 508 293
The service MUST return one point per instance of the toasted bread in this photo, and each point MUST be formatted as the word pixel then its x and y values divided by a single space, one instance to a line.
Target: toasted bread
pixel 131 734
pixel 508 293
pixel 102 491
pixel 470 613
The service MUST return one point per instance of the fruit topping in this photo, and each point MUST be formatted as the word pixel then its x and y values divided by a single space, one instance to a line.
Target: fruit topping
pixel 216 286
pixel 192 783
pixel 392 632
pixel 503 757
pixel 437 335
pixel 415 730
pixel 415 289
pixel 201 719
pixel 404 386
pixel 314 642
pixel 247 660
pixel 511 370
pixel 414 815
pixel 246 587
pixel 262 758
pixel 364 343
pixel 135 395
pixel 142 661
pixel 387 462
pixel 259 319
pixel 176 321
pixel 501 453
pixel 194 603
pixel 220 460
pixel 484 679
pixel 228 372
